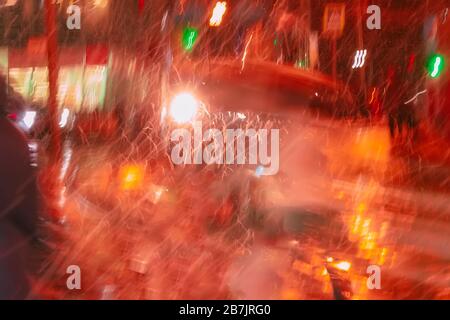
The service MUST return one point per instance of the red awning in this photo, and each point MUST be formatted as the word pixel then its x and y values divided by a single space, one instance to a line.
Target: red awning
pixel 97 55
pixel 21 58
pixel 35 55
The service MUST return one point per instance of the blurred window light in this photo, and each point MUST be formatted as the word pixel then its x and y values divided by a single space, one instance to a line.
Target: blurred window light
pixel 8 3
pixel 189 38
pixel 241 116
pixel 343 265
pixel 436 65
pixel 218 13
pixel 29 118
pixel 100 3
pixel 360 59
pixel 64 118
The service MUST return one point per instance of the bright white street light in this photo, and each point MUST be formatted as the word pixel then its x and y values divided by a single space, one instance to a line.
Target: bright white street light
pixel 183 108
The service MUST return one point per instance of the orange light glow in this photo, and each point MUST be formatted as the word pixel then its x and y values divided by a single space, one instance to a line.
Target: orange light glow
pixel 372 98
pixel 362 207
pixel 100 3
pixel 290 294
pixel 218 13
pixel 131 177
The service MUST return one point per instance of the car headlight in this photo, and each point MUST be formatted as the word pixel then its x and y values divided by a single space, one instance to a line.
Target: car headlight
pixel 340 265
pixel 183 108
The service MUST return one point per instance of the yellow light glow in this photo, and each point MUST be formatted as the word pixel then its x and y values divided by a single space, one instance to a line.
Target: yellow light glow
pixel 290 294
pixel 361 208
pixel 357 224
pixel 131 177
pixel 100 3
pixel 343 265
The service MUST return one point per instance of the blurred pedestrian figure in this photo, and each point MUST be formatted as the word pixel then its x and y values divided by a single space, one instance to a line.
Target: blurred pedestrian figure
pixel 392 100
pixel 18 205
pixel 400 105
pixel 398 113
pixel 408 118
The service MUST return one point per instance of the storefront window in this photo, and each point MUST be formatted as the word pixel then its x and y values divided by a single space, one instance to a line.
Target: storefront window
pixel 70 93
pixel 73 92
pixel 94 87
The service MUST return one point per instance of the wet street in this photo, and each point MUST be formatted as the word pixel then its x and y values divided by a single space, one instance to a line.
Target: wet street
pixel 156 244
pixel 232 150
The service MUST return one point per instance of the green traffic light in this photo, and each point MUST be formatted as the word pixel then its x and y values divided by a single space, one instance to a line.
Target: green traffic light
pixel 189 37
pixel 436 65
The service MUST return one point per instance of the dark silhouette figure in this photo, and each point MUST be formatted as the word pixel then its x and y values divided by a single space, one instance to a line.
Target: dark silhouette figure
pixel 18 205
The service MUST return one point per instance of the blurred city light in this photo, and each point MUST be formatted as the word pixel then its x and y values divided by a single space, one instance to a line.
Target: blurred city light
pixel 131 177
pixel 360 59
pixel 218 13
pixel 64 118
pixel 190 36
pixel 343 265
pixel 436 65
pixel 100 3
pixel 29 118
pixel 183 108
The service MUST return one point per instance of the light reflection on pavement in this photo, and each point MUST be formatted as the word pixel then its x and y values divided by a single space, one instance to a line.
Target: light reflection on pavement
pixel 397 226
